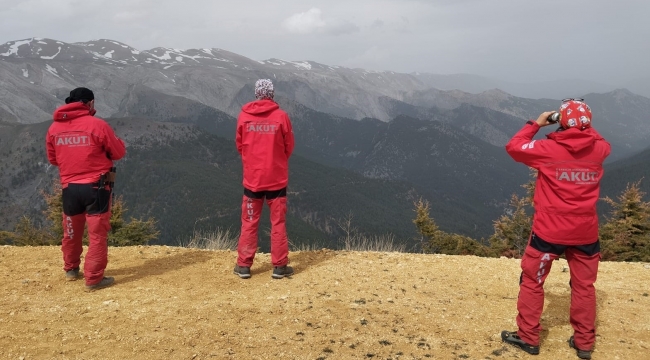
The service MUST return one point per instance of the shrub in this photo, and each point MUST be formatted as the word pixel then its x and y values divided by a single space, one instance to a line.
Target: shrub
pixel 135 232
pixel 26 233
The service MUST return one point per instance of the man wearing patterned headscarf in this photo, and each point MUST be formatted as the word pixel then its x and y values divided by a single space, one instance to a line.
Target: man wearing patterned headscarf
pixel 265 142
pixel 569 165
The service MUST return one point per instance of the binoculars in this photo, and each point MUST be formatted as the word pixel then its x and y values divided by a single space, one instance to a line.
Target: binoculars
pixel 553 118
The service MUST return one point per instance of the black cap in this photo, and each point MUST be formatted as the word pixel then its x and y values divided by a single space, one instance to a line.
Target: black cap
pixel 80 94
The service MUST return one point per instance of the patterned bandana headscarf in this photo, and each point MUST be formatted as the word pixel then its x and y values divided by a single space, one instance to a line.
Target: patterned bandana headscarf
pixel 264 89
pixel 575 114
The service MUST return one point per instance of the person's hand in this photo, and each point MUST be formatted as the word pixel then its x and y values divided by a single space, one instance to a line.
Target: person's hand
pixel 542 120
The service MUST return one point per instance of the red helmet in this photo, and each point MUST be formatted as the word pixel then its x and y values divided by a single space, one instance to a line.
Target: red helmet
pixel 575 113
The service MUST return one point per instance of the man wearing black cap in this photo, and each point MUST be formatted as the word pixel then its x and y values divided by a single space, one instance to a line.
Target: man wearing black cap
pixel 84 147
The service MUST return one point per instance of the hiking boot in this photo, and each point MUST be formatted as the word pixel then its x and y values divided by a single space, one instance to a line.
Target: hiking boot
pixel 514 339
pixel 106 282
pixel 72 275
pixel 281 271
pixel 583 354
pixel 243 272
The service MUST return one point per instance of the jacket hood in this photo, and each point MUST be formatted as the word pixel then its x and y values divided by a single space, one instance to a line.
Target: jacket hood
pixel 574 139
pixel 72 111
pixel 260 107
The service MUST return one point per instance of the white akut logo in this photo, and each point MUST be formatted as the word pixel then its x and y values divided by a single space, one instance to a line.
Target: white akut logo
pixel 73 140
pixel 69 228
pixel 584 120
pixel 250 211
pixel 542 267
pixel 564 106
pixel 263 128
pixel 529 145
pixel 581 108
pixel 577 176
pixel 572 122
pixel 568 112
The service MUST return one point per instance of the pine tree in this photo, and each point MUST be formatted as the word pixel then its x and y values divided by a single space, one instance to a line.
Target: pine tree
pixel 435 240
pixel 626 234
pixel 135 232
pixel 512 230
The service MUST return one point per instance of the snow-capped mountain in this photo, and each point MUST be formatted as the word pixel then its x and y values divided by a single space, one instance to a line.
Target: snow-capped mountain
pixel 37 74
pixel 105 51
pixel 46 68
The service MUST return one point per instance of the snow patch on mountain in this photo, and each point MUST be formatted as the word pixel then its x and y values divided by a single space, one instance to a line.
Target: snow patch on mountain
pixel 13 49
pixel 302 64
pixel 119 44
pixel 96 55
pixel 51 57
pixel 306 65
pixel 166 56
pixel 276 62
pixel 52 70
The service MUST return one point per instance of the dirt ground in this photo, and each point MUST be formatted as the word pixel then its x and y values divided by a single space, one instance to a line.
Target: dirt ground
pixel 177 303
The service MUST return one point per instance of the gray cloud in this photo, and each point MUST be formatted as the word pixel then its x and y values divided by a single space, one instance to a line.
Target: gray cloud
pixel 597 40
pixel 305 22
pixel 312 21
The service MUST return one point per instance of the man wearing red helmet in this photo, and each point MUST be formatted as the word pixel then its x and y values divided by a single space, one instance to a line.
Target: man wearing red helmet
pixel 570 166
pixel 84 147
pixel 265 141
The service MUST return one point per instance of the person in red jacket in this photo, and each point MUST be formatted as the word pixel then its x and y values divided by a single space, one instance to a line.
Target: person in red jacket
pixel 265 142
pixel 570 166
pixel 84 147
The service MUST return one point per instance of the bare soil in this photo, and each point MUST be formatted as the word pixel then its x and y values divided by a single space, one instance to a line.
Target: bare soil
pixel 177 303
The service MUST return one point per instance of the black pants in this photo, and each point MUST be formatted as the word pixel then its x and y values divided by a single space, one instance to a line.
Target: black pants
pixel 540 244
pixel 85 198
pixel 269 195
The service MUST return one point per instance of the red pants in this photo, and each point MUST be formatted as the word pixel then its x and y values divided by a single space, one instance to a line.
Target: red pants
pixel 535 266
pixel 84 203
pixel 97 256
pixel 250 216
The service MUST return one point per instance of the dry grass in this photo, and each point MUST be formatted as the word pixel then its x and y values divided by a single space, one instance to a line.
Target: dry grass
pixel 378 243
pixel 218 239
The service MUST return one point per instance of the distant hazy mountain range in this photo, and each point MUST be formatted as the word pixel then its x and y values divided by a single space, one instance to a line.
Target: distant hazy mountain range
pixel 368 143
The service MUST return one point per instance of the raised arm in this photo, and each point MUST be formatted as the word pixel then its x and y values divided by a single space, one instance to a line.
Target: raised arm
pixel 114 146
pixel 522 148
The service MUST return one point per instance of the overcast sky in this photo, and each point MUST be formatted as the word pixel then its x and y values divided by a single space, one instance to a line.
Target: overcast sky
pixel 512 40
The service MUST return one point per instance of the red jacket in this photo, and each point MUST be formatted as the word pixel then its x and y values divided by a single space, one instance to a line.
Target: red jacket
pixel 265 141
pixel 570 167
pixel 81 145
